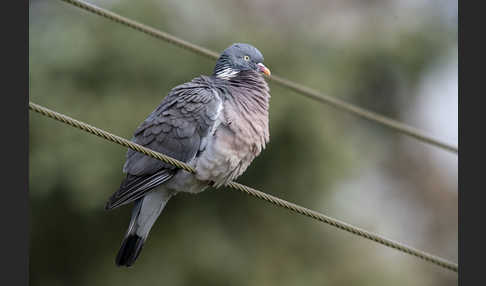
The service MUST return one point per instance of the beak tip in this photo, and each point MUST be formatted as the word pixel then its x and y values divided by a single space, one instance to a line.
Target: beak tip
pixel 264 69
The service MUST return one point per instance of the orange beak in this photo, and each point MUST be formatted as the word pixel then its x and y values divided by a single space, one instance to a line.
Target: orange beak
pixel 264 69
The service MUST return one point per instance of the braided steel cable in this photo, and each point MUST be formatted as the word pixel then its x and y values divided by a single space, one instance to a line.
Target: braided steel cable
pixel 253 192
pixel 300 89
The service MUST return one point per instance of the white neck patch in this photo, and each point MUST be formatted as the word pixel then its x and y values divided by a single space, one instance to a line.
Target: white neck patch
pixel 227 73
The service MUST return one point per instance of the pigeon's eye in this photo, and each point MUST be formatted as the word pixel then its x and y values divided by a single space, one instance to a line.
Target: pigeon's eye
pixel 246 58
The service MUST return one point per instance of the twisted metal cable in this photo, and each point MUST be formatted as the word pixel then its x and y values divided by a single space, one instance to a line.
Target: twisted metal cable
pixel 108 136
pixel 300 89
pixel 255 193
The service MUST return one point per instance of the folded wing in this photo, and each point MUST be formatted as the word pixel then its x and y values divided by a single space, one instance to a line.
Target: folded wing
pixel 176 128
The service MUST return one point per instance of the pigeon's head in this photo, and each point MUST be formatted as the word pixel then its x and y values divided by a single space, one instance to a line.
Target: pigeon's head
pixel 239 57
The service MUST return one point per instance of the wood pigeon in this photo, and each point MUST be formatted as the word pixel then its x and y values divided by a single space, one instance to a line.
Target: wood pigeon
pixel 217 124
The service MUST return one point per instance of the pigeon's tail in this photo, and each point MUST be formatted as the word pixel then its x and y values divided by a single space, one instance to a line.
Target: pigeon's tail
pixel 129 251
pixel 145 212
pixel 132 243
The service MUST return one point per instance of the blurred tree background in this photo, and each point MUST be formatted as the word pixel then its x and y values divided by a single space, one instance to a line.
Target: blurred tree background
pixel 398 58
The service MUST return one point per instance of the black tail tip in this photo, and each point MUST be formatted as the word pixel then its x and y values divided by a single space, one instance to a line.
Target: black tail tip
pixel 129 251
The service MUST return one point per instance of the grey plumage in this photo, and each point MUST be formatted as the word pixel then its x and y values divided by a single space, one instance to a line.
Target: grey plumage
pixel 176 128
pixel 218 124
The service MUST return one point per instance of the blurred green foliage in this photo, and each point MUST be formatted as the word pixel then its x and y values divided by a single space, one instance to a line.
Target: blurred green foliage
pixel 113 77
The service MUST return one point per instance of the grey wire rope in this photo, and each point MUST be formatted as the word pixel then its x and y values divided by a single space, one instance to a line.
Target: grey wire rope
pixel 300 89
pixel 258 194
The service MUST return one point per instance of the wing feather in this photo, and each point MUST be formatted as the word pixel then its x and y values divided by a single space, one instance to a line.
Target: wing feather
pixel 176 128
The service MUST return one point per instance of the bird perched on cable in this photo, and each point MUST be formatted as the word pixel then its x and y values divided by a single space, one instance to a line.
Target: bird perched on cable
pixel 217 124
